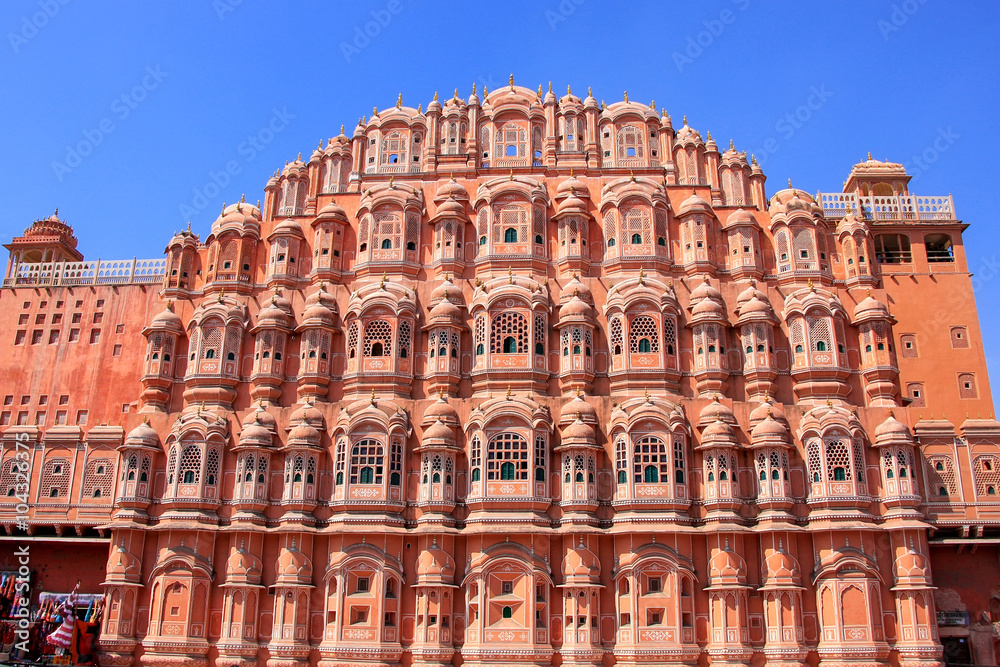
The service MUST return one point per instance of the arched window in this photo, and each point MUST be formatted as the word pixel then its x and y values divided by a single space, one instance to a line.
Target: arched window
pixel 378 339
pixel 509 325
pixel 367 462
pixel 651 461
pixel 510 235
pixel 507 448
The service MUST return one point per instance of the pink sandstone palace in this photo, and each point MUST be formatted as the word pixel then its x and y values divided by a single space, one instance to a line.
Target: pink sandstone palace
pixel 517 379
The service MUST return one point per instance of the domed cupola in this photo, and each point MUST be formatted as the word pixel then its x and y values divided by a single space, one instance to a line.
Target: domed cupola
pixel 581 567
pixel 435 567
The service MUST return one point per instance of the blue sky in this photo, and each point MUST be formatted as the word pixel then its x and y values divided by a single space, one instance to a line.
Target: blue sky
pixel 162 96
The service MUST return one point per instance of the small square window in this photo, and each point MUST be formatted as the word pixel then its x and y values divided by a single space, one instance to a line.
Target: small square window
pixel 43 304
pixel 77 318
pixel 60 417
pixel 26 305
pixel 79 303
pixel 64 399
pixel 125 407
pixel 40 417
pixel 57 318
pixel 116 351
pixel 59 304
pixel 43 399
pixel 74 335
pixel 40 318
pixel 120 329
pixel 81 417
pixel 53 336
pixel 19 337
pixel 5 418
pixel 25 399
pixel 36 337
pixel 22 418
pixel 8 399
pixel 22 319
pixel 98 317
pixel 95 336
pixel 100 303
pixel 363 583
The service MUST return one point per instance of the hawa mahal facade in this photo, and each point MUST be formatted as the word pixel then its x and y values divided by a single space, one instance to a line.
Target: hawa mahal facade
pixel 515 380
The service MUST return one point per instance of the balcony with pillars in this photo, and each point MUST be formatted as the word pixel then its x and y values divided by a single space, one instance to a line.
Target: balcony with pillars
pixel 887 207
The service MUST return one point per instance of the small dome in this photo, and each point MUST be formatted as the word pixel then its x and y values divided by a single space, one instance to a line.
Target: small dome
pixel 686 133
pixel 142 435
pixel 273 314
pixel 242 566
pixel 718 431
pixel 578 408
pixel 293 565
pixel 435 564
pixel 287 227
pixel 716 411
pixel 694 204
pixel 259 415
pixel 726 567
pixel 122 564
pixel 581 565
pixel 781 568
pixel 740 216
pixel 571 204
pixel 307 413
pixel 575 288
pixel 769 428
pixel 320 308
pixel 445 310
pixel 167 319
pixel 573 185
pixel 578 433
pixel 871 308
pixel 762 411
pixel 576 308
pixel 892 428
pixel 255 433
pixel 303 434
pixel 451 190
pixel 450 208
pixel 237 216
pixel 912 567
pixel 708 307
pixel 705 291
pixel 441 410
pixel 332 211
pixel 439 431
pixel 445 289
pixel 756 306
pixel 796 203
pixel 750 292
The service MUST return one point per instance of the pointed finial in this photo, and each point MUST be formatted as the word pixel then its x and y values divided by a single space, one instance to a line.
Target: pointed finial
pixel 473 87
pixel 626 96
pixel 631 176
pixel 590 93
pixel 399 101
pixel 642 272
pixel 512 173
pixel 435 96
pixel 420 107
pixel 685 119
pixel 569 89
pixel 731 146
pixel 709 135
pixel 647 396
pixel 510 80
pixel 508 386
pixel 299 158
pixel 392 182
pixel 455 95
pixel 539 93
pixel 753 159
pixel 374 111
pixel 382 284
pixel 789 184
pixel 829 402
pixel 869 156
pixel 812 287
pixel 486 92
pixel 652 105
pixel 372 399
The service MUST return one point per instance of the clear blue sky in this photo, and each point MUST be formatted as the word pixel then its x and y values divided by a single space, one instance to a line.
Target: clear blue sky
pixel 199 78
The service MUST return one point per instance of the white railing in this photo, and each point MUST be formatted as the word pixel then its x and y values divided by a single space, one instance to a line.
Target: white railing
pixel 881 207
pixel 108 272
